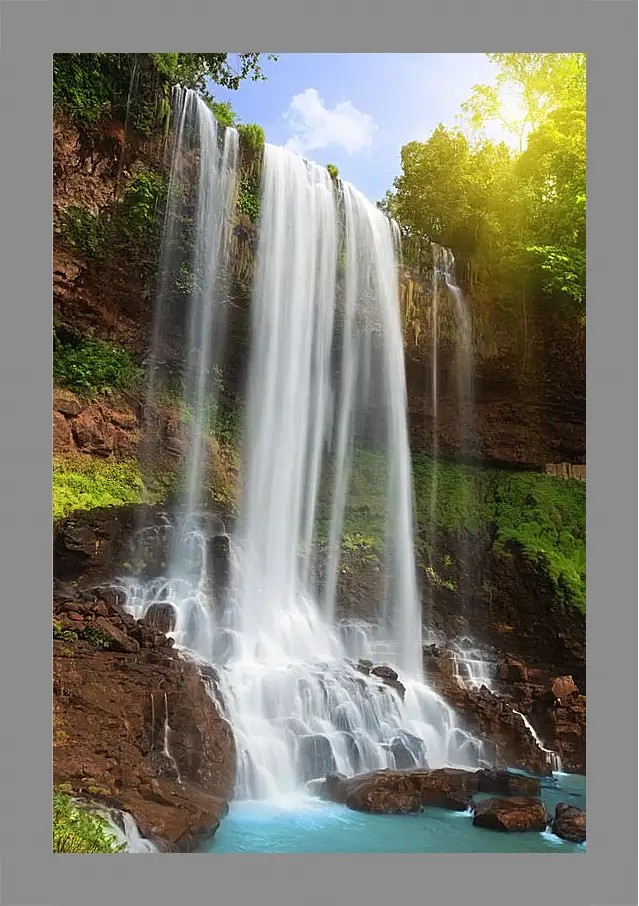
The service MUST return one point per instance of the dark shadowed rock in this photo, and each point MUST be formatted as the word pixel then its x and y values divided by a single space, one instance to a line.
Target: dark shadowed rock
pixel 505 783
pixel 161 616
pixel 316 757
pixel 511 814
pixel 570 823
pixel 384 672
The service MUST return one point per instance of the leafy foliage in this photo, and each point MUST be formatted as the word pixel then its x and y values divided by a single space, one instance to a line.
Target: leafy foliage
pixel 516 221
pixel 84 483
pixel 91 366
pixel 96 637
pixel 333 171
pixel 84 231
pixel 248 199
pixel 77 830
pixel 252 138
pixel 93 87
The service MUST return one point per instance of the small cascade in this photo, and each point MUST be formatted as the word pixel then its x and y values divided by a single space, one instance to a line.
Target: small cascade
pixel 471 670
pixel 165 749
pixel 126 831
pixel 552 759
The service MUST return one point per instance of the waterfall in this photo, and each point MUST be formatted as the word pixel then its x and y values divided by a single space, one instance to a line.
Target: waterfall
pixel 552 758
pixel 443 274
pixel 326 391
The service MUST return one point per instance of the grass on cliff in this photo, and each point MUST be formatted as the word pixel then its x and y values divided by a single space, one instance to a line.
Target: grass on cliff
pixel 544 515
pixel 84 483
pixel 77 830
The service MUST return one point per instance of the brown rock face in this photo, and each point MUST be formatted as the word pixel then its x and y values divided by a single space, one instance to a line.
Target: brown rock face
pixel 62 436
pixel 563 687
pixel 516 814
pixel 570 823
pixel 110 708
pixel 401 792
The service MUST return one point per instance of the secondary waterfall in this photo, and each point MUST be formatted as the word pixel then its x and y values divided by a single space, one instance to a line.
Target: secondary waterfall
pixel 326 389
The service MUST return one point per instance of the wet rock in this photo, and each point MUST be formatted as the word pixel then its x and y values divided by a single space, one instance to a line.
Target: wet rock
pixel 505 783
pixel 515 814
pixel 399 792
pixel 316 758
pixel 219 552
pixel 569 823
pixel 384 672
pixel 399 688
pixel 161 617
pixel 364 666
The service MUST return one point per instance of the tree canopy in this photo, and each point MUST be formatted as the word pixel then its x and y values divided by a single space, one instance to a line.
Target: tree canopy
pixel 91 87
pixel 515 216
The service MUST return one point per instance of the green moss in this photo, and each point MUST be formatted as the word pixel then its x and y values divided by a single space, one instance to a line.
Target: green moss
pixel 88 367
pixel 83 484
pixel 543 516
pixel 546 517
pixel 77 830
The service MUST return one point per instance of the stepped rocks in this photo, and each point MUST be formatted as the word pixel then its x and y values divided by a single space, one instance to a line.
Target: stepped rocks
pixel 402 792
pixel 110 706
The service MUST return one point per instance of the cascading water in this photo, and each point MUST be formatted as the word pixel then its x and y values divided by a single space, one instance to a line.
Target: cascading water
pixel 326 388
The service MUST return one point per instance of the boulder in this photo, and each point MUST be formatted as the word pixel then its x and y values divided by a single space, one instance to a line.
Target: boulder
pixel 160 617
pixel 563 687
pixel 569 823
pixel 384 672
pixel 516 814
pixel 118 640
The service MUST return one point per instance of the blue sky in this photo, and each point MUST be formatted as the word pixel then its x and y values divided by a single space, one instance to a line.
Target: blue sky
pixel 357 110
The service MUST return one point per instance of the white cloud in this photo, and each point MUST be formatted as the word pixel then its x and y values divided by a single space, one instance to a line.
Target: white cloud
pixel 316 127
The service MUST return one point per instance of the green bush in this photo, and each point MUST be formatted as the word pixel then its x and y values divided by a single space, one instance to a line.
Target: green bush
pixel 84 231
pixel 84 484
pixel 77 830
pixel 89 367
pixel 333 172
pixel 248 200
pixel 97 637
pixel 252 139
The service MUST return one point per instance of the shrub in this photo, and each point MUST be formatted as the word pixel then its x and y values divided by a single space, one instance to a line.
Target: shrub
pixel 249 201
pixel 89 367
pixel 252 139
pixel 97 637
pixel 77 830
pixel 333 171
pixel 84 231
